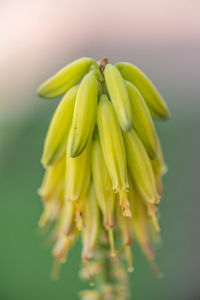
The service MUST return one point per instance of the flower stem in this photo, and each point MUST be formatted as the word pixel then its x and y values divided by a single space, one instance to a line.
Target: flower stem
pixel 108 274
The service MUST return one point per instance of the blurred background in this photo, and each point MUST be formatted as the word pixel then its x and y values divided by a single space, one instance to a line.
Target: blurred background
pixel 38 38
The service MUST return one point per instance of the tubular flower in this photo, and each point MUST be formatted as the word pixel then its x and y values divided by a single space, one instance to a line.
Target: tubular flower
pixel 103 168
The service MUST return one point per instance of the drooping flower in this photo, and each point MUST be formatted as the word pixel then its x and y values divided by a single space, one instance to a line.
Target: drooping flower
pixel 103 165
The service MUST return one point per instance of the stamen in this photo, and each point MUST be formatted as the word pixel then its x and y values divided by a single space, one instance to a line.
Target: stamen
pixel 157 200
pixel 159 187
pixel 61 249
pixel 111 242
pixel 155 222
pixel 124 203
pixel 89 276
pixel 79 219
pixel 44 217
pixel 156 269
pixel 156 238
pixel 129 258
pixel 55 269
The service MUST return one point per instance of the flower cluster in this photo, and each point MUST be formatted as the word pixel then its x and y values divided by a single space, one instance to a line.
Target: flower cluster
pixel 102 158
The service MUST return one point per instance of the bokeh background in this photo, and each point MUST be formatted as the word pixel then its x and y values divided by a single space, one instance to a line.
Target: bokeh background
pixel 37 38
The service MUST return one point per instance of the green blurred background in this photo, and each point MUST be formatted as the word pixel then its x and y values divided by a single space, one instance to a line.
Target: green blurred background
pixel 39 38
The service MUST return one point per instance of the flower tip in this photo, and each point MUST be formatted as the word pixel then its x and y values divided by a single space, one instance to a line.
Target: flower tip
pixel 61 249
pixel 80 223
pixel 149 254
pixel 131 269
pixel 75 151
pixel 45 163
pixel 40 92
pixel 43 218
pixel 126 211
pixel 40 191
pixel 55 269
pixel 124 203
pixel 127 127
pixel 87 255
pixel 156 269
pixel 164 115
pixel 167 115
pixel 129 258
pixel 43 92
pixel 157 199
pixel 155 223
pixel 112 254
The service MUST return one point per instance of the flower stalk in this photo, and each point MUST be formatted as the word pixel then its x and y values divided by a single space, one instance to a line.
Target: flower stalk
pixel 107 276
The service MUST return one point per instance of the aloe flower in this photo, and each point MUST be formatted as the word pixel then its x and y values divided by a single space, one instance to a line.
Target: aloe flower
pixel 103 170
